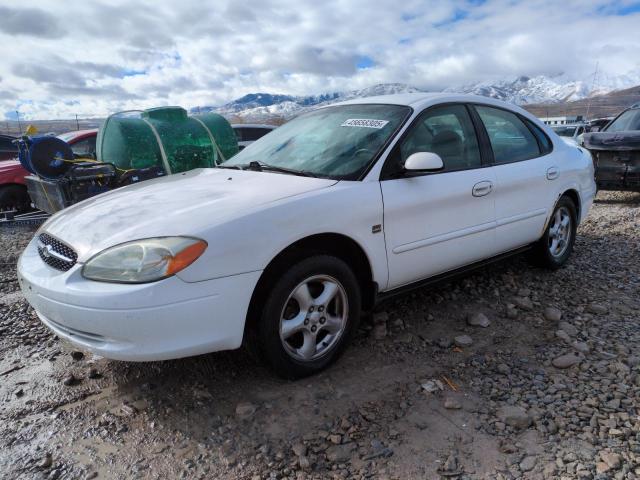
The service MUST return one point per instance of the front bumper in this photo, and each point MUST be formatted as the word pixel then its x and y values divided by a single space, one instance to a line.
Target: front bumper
pixel 154 321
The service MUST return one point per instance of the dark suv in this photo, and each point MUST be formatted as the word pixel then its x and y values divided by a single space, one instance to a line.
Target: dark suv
pixel 616 152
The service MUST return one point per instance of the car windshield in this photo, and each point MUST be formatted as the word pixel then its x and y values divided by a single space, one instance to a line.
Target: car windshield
pixel 627 121
pixel 335 142
pixel 565 131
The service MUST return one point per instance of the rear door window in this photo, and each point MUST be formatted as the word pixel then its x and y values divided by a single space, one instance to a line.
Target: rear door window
pixel 510 138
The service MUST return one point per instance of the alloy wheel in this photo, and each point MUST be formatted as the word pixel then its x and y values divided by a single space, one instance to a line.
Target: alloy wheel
pixel 314 318
pixel 560 231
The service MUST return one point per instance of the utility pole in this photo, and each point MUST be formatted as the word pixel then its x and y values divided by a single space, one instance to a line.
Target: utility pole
pixel 19 124
pixel 77 123
pixel 593 84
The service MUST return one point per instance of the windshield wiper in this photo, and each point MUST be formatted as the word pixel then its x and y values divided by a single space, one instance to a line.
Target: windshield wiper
pixel 234 167
pixel 261 166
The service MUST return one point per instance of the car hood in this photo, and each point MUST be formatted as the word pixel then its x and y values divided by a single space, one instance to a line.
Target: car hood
pixel 182 204
pixel 10 166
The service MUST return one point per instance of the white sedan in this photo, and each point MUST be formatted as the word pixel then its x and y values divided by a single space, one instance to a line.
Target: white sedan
pixel 284 245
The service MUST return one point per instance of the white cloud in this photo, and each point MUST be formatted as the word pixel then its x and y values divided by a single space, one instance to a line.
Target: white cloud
pixel 96 58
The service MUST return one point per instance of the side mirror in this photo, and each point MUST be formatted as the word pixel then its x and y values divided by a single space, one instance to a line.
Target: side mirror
pixel 423 162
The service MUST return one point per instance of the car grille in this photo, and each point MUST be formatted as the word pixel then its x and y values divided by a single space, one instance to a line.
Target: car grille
pixel 55 253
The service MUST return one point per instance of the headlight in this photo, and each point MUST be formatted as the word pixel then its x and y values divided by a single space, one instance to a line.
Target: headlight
pixel 143 261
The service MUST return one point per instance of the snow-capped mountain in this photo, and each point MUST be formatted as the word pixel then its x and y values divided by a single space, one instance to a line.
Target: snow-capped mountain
pixel 262 106
pixel 543 89
pixel 522 90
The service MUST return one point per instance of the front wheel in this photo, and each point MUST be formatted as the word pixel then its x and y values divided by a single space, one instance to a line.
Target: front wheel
pixel 555 247
pixel 309 315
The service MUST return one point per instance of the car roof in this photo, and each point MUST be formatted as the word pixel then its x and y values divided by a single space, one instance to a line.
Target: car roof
pixel 253 125
pixel 420 100
pixel 78 134
pixel 88 131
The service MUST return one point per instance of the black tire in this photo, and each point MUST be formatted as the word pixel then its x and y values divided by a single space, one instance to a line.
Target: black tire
pixel 14 197
pixel 266 337
pixel 541 254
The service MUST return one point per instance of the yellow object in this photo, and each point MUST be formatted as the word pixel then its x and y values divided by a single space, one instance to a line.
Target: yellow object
pixel 31 130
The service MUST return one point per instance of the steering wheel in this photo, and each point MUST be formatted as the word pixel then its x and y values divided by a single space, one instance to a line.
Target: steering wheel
pixel 361 151
pixel 343 165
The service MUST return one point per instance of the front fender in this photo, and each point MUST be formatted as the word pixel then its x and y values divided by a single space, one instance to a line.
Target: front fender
pixel 249 243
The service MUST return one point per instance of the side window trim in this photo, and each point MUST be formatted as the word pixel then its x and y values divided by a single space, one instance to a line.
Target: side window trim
pixel 388 172
pixel 486 152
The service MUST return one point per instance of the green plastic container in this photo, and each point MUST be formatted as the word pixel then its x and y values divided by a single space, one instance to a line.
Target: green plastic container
pixel 165 137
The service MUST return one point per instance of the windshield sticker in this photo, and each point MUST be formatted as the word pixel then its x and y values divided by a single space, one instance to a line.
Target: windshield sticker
pixel 364 123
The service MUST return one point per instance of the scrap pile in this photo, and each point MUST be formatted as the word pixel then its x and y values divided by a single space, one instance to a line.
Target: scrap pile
pixel 131 147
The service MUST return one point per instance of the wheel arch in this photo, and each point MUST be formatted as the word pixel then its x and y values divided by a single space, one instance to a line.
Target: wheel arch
pixel 573 194
pixel 337 244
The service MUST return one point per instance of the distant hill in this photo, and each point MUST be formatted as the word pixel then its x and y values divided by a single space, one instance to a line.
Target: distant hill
pixel 607 105
pixel 265 107
pixel 11 127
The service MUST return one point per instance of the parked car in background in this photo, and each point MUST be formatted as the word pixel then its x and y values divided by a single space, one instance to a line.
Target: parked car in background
pixel 82 142
pixel 13 189
pixel 616 152
pixel 286 243
pixel 248 133
pixel 573 133
pixel 597 124
pixel 8 149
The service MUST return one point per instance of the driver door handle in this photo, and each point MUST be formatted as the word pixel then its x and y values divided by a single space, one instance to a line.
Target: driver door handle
pixel 481 189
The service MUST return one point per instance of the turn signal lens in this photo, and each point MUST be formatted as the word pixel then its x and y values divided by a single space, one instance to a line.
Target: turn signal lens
pixel 186 257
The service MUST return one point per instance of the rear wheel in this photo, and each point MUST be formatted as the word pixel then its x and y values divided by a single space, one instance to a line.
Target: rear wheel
pixel 309 315
pixel 555 247
pixel 14 197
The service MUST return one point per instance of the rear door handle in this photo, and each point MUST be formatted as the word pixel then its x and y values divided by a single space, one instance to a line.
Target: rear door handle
pixel 552 173
pixel 481 189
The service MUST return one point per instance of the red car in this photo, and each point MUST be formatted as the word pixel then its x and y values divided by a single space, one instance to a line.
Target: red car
pixel 13 191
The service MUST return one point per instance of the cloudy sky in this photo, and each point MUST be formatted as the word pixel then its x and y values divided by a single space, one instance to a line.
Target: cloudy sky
pixel 92 58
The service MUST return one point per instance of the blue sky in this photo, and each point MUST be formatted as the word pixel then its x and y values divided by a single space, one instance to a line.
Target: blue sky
pixel 120 55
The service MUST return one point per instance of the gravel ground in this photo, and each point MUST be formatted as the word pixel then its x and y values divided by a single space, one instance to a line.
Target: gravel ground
pixel 511 372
